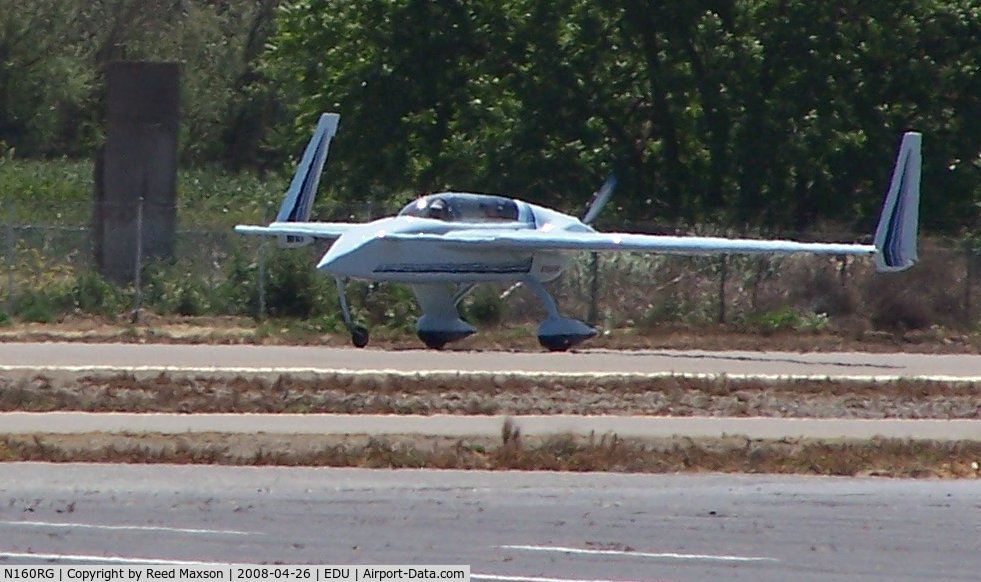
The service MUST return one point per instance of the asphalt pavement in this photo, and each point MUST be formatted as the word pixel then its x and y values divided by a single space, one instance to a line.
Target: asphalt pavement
pixel 35 357
pixel 455 425
pixel 506 525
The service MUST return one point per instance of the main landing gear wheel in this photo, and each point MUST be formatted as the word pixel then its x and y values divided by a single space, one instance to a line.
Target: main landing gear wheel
pixel 434 344
pixel 558 343
pixel 557 333
pixel 437 339
pixel 359 336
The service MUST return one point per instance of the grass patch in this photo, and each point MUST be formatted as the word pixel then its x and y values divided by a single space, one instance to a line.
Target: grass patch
pixel 786 318
pixel 487 395
pixel 881 457
pixel 59 192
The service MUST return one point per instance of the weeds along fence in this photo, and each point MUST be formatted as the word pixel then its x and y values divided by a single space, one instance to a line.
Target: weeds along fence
pixel 48 272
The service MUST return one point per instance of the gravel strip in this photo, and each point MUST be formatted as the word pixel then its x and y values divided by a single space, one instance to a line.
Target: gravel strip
pixel 349 394
pixel 878 457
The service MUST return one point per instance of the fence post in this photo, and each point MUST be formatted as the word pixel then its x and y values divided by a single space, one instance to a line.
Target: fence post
pixel 137 276
pixel 11 249
pixel 761 264
pixel 593 289
pixel 968 280
pixel 262 269
pixel 723 274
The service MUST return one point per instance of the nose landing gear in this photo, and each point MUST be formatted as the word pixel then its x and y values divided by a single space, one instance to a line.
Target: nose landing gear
pixel 359 335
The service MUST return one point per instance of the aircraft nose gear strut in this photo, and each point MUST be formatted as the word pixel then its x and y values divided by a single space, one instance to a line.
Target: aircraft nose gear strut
pixel 359 335
pixel 557 333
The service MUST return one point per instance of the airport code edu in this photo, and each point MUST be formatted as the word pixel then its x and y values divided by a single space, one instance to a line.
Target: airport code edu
pixel 236 573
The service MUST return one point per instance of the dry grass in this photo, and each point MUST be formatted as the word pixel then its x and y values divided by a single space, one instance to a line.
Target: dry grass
pixel 849 332
pixel 882 457
pixel 499 394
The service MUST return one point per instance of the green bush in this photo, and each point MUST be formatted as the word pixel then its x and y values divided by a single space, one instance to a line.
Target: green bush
pixel 174 289
pixel 293 287
pixel 386 304
pixel 238 292
pixel 93 294
pixel 787 318
pixel 485 307
pixel 36 307
pixel 668 310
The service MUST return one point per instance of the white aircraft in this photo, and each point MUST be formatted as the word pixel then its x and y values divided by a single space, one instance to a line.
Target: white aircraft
pixel 444 244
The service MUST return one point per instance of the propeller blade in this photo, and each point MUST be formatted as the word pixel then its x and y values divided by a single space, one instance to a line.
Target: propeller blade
pixel 600 198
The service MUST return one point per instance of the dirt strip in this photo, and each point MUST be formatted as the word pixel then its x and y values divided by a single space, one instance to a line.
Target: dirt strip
pixel 880 457
pixel 517 336
pixel 485 395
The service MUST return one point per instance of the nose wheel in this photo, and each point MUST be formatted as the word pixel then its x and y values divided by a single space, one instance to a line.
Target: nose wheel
pixel 359 335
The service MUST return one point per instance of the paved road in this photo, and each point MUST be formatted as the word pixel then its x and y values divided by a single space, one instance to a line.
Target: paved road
pixel 66 356
pixel 488 426
pixel 530 526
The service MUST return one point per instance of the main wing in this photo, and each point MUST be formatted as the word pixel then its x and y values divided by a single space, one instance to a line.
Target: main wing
pixel 894 248
pixel 563 240
pixel 298 230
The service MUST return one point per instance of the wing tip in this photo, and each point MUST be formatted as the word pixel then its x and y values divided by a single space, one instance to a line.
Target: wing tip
pixel 896 233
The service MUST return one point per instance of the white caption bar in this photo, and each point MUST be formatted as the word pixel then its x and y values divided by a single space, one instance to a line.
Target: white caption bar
pixel 232 573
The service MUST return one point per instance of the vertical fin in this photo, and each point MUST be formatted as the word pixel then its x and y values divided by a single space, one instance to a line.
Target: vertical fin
pixel 299 197
pixel 895 236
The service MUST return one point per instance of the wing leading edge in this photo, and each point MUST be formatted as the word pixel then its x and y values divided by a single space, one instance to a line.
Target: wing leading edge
pixel 612 241
pixel 300 230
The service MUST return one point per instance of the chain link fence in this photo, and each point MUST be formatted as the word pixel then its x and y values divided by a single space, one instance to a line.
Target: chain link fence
pixel 215 271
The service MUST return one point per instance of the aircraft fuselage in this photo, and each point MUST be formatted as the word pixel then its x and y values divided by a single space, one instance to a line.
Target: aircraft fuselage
pixel 376 252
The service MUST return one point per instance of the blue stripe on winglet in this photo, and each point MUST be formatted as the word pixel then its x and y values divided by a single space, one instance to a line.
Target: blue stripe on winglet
pixel 895 236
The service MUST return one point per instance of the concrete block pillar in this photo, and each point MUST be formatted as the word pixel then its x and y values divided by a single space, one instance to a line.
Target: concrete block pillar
pixel 137 167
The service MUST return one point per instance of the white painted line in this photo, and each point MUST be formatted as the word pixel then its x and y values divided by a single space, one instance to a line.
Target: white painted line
pixel 502 578
pixel 420 374
pixel 112 559
pixel 129 527
pixel 659 556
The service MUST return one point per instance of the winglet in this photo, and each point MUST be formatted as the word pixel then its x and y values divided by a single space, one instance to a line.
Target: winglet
pixel 895 236
pixel 299 197
pixel 600 199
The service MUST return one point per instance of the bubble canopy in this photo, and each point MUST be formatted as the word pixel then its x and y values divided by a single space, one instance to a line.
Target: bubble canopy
pixel 460 207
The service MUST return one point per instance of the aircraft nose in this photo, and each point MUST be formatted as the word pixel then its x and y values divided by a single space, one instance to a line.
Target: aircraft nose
pixel 354 253
pixel 332 260
pixel 343 258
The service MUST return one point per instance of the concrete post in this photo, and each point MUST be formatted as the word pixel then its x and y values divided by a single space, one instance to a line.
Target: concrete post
pixel 140 161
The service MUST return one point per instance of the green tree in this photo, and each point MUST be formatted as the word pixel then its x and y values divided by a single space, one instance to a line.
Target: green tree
pixel 769 113
pixel 52 63
pixel 44 84
pixel 772 114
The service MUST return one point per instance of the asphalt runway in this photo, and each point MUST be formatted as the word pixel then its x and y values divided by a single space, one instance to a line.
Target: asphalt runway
pixel 247 358
pixel 507 526
pixel 456 426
